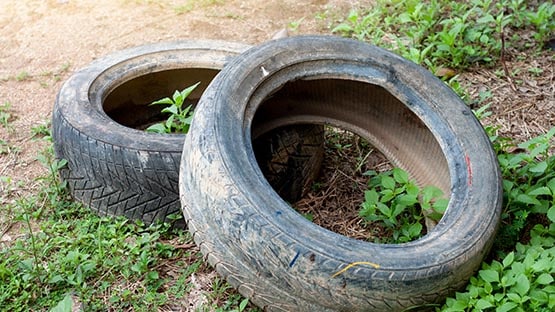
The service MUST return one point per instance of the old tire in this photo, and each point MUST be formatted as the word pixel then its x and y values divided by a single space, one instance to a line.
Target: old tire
pixel 272 254
pixel 113 167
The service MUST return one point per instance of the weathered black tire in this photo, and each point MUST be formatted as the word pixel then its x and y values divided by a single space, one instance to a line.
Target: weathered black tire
pixel 114 168
pixel 272 254
pixel 290 158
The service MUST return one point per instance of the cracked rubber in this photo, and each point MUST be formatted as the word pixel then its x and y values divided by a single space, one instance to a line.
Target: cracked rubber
pixel 115 169
pixel 276 257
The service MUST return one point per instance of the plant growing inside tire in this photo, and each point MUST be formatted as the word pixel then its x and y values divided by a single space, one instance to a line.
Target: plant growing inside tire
pixel 180 117
pixel 397 204
pixel 271 253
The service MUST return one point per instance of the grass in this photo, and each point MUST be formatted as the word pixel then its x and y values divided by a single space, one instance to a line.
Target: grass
pixel 443 34
pixel 60 254
pixel 56 253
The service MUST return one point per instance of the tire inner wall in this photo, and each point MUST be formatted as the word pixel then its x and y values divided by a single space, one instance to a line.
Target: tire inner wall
pixel 136 94
pixel 368 110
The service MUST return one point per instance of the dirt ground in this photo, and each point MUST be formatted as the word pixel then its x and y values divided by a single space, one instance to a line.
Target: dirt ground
pixel 42 42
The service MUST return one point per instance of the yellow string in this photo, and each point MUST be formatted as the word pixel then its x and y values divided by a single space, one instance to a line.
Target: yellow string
pixel 376 266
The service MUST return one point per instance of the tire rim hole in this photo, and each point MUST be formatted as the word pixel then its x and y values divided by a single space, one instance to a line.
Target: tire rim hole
pixel 128 103
pixel 387 127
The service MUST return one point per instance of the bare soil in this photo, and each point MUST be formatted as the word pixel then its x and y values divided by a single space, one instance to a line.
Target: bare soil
pixel 44 42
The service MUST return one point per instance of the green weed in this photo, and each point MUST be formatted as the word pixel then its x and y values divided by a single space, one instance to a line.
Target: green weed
pixel 5 115
pixel 396 203
pixel 522 277
pixel 522 281
pixel 22 76
pixel 441 33
pixel 294 25
pixel 528 184
pixel 65 252
pixel 41 130
pixel 180 117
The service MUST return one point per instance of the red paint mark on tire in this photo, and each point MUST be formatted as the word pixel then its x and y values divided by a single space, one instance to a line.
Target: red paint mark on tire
pixel 468 169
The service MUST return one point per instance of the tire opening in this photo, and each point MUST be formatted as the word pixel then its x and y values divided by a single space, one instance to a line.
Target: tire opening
pixel 128 103
pixel 361 118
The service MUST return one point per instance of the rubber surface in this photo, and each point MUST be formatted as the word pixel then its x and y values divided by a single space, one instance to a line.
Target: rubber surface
pixel 272 254
pixel 290 158
pixel 112 167
pixel 116 169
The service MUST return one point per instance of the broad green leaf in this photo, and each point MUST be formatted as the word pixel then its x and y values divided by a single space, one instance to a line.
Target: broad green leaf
pixel 387 196
pixel 506 307
pixel 518 267
pixel 404 18
pixel 243 304
pixel 436 216
pixel 507 185
pixel 431 192
pixel 551 214
pixel 400 176
pixel 509 259
pixel 164 101
pixel 157 128
pixel 496 266
pixel 522 285
pixel 539 167
pixel 170 109
pixel 542 265
pixel 514 297
pixel 489 275
pixel 551 185
pixel 178 98
pixel 544 279
pixel 399 208
pixel 65 305
pixel 185 93
pixel 383 209
pixel 486 19
pixel 407 200
pixel 55 279
pixel 388 182
pixel 441 204
pixel 544 190
pixel 527 199
pixel 412 189
pixel 483 304
pixel 539 296
pixel 371 197
pixel 170 123
pixel 415 230
pixel 370 173
pixel 488 287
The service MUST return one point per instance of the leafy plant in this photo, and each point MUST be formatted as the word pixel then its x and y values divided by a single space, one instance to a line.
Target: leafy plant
pixel 447 34
pixel 522 281
pixel 65 252
pixel 398 204
pixel 5 115
pixel 23 75
pixel 543 21
pixel 180 117
pixel 523 276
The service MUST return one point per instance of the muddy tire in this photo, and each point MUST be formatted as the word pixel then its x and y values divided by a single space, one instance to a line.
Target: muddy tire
pixel 272 254
pixel 114 167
